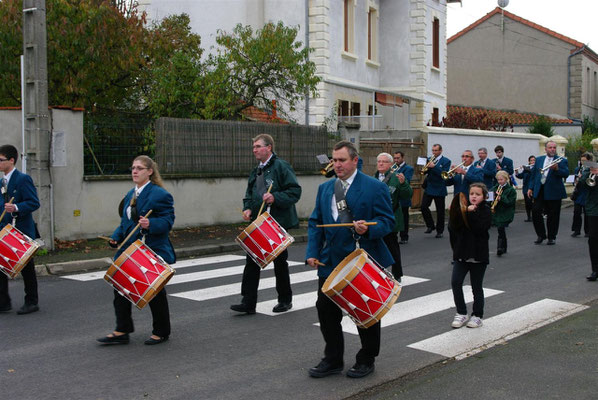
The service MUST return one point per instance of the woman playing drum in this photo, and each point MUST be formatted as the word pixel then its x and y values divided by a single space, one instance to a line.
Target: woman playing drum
pixel 147 195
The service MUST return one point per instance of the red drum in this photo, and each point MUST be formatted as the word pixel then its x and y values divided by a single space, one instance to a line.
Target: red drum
pixel 16 249
pixel 264 239
pixel 362 288
pixel 139 274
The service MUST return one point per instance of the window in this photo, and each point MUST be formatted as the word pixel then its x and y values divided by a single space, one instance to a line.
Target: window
pixel 343 108
pixel 435 116
pixel 372 34
pixel 595 90
pixel 371 110
pixel 348 25
pixel 355 109
pixel 436 43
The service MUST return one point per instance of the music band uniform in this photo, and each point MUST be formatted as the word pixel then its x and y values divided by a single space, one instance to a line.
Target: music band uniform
pixel 20 186
pixel 407 171
pixel 592 218
pixel 435 190
pixel 579 198
pixel 503 215
pixel 525 175
pixel 488 168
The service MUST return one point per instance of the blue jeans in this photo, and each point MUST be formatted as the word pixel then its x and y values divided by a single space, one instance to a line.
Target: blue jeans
pixel 476 276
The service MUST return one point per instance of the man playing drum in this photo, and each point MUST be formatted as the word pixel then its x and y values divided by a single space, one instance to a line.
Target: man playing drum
pixel 19 187
pixel 367 199
pixel 274 183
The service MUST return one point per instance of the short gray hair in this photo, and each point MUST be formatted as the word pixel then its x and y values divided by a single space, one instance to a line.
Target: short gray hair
pixel 388 156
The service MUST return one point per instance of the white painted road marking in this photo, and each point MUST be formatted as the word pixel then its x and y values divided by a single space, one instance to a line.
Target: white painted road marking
pixel 465 342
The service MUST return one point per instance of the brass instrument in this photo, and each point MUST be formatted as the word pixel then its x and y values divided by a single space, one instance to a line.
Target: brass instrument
pixel 394 168
pixel 553 162
pixel 450 174
pixel 591 181
pixel 496 196
pixel 525 167
pixel 328 169
pixel 425 167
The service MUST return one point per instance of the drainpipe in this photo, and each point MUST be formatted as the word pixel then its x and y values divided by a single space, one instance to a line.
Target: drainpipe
pixel 307 47
pixel 569 79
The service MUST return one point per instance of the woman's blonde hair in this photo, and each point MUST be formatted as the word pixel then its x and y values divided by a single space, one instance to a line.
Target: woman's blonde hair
pixel 155 177
pixel 504 174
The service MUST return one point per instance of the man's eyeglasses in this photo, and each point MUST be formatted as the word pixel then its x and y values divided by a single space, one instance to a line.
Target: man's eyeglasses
pixel 258 146
pixel 137 168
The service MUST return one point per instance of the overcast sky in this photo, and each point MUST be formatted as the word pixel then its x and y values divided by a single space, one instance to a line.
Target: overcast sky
pixel 577 19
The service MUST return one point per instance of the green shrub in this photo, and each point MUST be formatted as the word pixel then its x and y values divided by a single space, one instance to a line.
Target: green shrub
pixel 541 125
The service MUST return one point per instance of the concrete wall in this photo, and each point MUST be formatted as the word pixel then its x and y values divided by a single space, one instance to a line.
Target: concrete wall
pixel 520 68
pixel 568 131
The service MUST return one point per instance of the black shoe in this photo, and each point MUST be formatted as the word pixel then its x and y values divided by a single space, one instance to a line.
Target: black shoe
pixel 404 241
pixel 120 339
pixel 398 278
pixel 586 235
pixel 429 230
pixel 551 242
pixel 28 309
pixel 360 370
pixel 243 308
pixel 151 341
pixel 324 368
pixel 438 235
pixel 500 252
pixel 282 307
pixel 5 309
pixel 528 220
pixel 539 240
pixel 592 277
pixel 575 234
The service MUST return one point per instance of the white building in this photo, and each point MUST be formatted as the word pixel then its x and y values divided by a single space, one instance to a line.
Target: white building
pixel 387 53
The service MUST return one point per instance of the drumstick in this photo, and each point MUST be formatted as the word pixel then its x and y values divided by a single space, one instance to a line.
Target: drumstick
pixel 321 264
pixel 264 202
pixel 4 212
pixel 132 232
pixel 347 225
pixel 106 238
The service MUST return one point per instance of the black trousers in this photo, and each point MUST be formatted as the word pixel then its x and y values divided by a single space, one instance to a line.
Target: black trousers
pixel 251 280
pixel 405 231
pixel 502 238
pixel 593 241
pixel 529 203
pixel 160 314
pixel 427 214
pixel 30 282
pixel 578 212
pixel 392 242
pixel 553 214
pixel 476 277
pixel 330 316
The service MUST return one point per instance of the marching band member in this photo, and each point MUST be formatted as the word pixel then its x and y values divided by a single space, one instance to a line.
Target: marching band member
pixel 435 190
pixel 465 174
pixel 524 172
pixel 503 209
pixel 407 171
pixel 281 199
pixel 470 254
pixel 487 166
pixel 399 189
pixel 367 199
pixel 592 218
pixel 503 163
pixel 548 190
pixel 18 185
pixel 579 196
pixel 148 194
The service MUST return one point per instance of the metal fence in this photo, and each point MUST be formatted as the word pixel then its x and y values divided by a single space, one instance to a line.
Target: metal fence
pixel 113 140
pixel 223 148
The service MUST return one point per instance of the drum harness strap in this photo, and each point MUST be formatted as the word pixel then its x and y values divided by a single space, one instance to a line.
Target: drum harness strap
pixel 344 213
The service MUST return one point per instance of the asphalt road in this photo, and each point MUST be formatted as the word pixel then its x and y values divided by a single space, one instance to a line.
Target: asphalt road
pixel 214 353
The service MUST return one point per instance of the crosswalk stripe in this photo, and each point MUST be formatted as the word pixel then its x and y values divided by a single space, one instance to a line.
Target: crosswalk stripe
pixel 214 273
pixel 235 288
pixel 404 311
pixel 462 343
pixel 308 300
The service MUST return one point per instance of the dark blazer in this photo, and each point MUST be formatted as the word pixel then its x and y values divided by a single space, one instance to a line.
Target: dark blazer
pixel 525 175
pixel 369 200
pixel 472 242
pixel 406 170
pixel 435 185
pixel 554 188
pixel 462 183
pixel 488 171
pixel 506 164
pixel 21 187
pixel 154 198
pixel 582 190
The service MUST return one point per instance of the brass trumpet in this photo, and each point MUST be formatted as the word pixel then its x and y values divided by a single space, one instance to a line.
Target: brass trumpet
pixel 425 167
pixel 328 169
pixel 450 174
pixel 591 181
pixel 553 162
pixel 496 195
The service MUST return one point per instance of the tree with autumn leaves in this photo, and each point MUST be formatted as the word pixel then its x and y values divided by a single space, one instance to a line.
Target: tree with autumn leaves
pixel 101 57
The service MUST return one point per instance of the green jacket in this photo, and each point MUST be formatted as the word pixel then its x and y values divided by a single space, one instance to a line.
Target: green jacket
pixel 504 212
pixel 592 199
pixel 285 188
pixel 398 191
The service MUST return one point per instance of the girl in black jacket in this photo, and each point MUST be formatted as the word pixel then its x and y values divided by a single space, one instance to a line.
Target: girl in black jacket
pixel 470 254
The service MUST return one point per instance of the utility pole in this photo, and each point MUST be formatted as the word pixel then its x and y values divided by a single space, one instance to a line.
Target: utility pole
pixel 36 114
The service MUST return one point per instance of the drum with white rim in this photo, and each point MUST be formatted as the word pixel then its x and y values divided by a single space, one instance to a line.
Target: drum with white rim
pixel 16 249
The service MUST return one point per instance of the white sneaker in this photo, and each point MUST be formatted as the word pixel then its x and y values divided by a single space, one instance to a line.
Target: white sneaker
pixel 459 320
pixel 474 322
